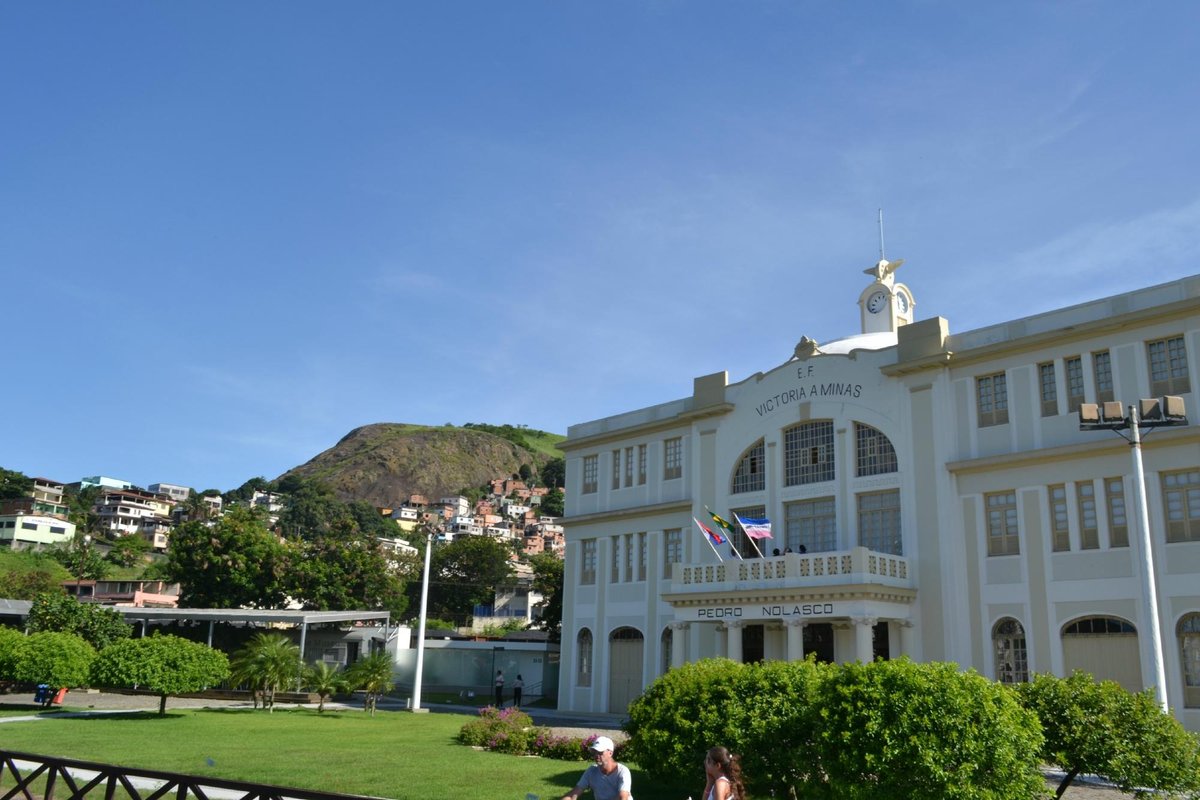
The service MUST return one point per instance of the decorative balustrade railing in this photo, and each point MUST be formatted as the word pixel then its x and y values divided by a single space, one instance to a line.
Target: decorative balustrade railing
pixel 857 565
pixel 56 778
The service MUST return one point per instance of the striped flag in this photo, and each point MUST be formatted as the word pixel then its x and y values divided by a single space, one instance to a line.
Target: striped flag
pixel 755 528
pixel 711 537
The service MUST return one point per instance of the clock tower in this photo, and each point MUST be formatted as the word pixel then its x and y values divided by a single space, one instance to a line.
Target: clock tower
pixel 885 305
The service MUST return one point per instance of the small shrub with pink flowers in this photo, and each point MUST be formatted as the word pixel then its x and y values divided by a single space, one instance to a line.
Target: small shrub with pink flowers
pixel 511 731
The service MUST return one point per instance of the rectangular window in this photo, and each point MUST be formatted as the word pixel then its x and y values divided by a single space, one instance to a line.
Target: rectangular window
pixel 616 469
pixel 811 525
pixel 1118 526
pixel 1089 528
pixel 641 556
pixel 29 526
pixel 587 567
pixel 879 522
pixel 672 458
pixel 1060 529
pixel 1168 367
pixel 1181 495
pixel 1003 536
pixel 641 464
pixel 630 558
pixel 991 392
pixel 591 468
pixel 1074 367
pixel 1102 374
pixel 628 467
pixel 1049 389
pixel 57 529
pixel 615 572
pixel 672 549
pixel 808 453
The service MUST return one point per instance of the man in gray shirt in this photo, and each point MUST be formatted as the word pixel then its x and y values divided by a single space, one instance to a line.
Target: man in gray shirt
pixel 607 779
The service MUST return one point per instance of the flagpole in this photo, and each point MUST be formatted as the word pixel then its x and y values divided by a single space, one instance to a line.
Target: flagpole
pixel 753 543
pixel 724 525
pixel 707 539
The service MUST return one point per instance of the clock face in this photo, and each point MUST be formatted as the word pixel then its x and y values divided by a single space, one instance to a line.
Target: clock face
pixel 877 302
pixel 902 302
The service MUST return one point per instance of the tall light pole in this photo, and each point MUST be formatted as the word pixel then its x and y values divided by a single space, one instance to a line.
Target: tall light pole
pixel 416 698
pixel 1154 413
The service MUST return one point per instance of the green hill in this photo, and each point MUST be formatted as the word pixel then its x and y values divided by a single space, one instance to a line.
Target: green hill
pixel 386 462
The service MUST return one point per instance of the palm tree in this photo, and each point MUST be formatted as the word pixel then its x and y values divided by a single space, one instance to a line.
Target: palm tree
pixel 268 662
pixel 373 675
pixel 324 680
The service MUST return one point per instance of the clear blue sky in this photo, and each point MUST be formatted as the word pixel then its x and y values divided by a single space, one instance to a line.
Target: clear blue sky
pixel 232 232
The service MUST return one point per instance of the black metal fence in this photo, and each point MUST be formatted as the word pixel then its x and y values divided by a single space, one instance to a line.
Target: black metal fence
pixel 27 775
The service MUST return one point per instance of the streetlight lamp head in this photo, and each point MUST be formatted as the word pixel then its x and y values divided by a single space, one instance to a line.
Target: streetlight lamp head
pixel 1173 408
pixel 1089 414
pixel 1150 410
pixel 1113 411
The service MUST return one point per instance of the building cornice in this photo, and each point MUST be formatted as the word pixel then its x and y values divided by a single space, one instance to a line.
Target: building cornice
pixel 791 594
pixel 645 428
pixel 1162 438
pixel 617 514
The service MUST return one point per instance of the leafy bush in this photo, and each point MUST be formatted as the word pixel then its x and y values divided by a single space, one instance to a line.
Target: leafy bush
pixel 492 723
pixel 1102 729
pixel 98 625
pixel 511 731
pixel 12 644
pixel 165 665
pixel 562 748
pixel 59 659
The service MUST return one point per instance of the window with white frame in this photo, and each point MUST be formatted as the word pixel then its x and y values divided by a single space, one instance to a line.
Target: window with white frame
pixel 750 475
pixel 672 549
pixel 642 555
pixel 879 522
pixel 1060 525
pixel 811 525
pixel 587 565
pixel 808 455
pixel 672 458
pixel 614 544
pixel 1048 389
pixel 616 469
pixel 628 467
pixel 875 454
pixel 1074 369
pixel 1002 532
pixel 991 395
pixel 1102 375
pixel 1168 366
pixel 1188 632
pixel 590 474
pixel 641 464
pixel 583 655
pixel 1181 496
pixel 666 645
pixel 1118 524
pixel 1089 527
pixel 1011 656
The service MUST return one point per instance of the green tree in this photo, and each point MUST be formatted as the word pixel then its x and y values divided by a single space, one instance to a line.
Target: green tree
pixel 553 503
pixel 243 493
pixel 97 625
pixel 81 508
pixel 233 563
pixel 57 659
pixel 128 550
pixel 14 484
pixel 310 509
pixel 341 568
pixel 373 675
pixel 463 574
pixel 554 473
pixel 12 642
pixel 1100 728
pixel 324 680
pixel 165 665
pixel 81 559
pixel 268 663
pixel 548 582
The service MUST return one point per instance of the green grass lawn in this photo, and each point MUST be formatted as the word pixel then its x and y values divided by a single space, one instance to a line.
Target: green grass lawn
pixel 393 754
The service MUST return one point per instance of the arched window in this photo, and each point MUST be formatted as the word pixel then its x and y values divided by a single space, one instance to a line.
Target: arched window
pixel 1189 647
pixel 751 473
pixel 665 644
pixel 808 453
pixel 1098 626
pixel 1008 645
pixel 875 454
pixel 583 658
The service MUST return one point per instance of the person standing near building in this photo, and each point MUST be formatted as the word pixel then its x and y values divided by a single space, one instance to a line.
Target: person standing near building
pixel 723 775
pixel 607 779
pixel 518 685
pixel 499 688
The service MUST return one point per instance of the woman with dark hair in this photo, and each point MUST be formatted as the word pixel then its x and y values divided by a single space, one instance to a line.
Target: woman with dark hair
pixel 724 776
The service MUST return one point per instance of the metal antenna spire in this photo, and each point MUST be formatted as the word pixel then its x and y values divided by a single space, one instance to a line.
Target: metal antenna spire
pixel 881 258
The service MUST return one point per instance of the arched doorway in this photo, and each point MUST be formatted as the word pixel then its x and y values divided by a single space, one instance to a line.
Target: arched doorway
pixel 1107 648
pixel 625 651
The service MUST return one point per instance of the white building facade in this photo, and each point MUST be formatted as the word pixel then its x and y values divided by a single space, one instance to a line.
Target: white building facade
pixel 931 495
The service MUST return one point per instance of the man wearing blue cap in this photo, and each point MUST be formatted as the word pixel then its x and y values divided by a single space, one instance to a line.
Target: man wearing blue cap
pixel 607 779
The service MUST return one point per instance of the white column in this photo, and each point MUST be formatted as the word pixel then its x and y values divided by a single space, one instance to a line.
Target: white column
pixel 863 649
pixel 679 631
pixel 906 637
pixel 734 644
pixel 795 640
